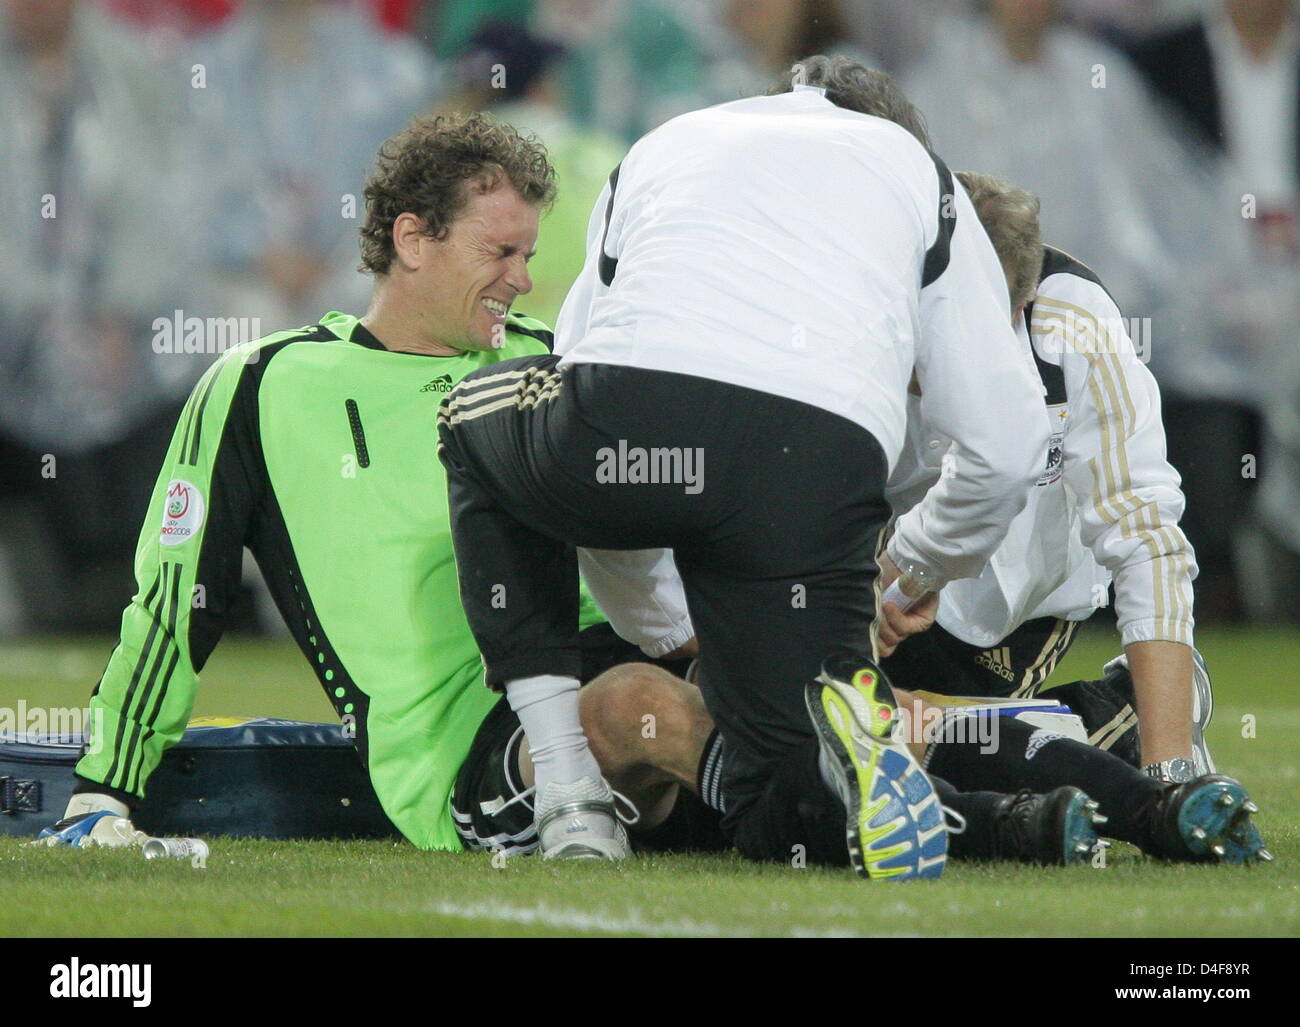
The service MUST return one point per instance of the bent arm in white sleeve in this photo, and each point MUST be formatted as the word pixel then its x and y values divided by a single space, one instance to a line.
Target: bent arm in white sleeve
pixel 641 593
pixel 978 388
pixel 1127 496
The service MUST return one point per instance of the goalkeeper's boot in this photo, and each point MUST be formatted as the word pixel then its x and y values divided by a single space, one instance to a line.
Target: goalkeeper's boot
pixel 895 827
pixel 578 820
pixel 85 830
pixel 1206 820
pixel 1056 829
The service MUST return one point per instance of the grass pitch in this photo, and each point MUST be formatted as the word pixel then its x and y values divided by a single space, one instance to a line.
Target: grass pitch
pixel 386 888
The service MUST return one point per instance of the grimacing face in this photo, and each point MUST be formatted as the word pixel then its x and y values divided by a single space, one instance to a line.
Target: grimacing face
pixel 474 274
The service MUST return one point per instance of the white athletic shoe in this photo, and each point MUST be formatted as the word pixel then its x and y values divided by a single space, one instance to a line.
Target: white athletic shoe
pixel 577 820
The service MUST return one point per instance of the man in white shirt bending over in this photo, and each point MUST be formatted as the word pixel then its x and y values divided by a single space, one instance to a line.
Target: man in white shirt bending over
pixel 763 280
pixel 1104 508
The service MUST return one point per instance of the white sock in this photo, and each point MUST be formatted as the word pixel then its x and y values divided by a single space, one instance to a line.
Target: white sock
pixel 547 706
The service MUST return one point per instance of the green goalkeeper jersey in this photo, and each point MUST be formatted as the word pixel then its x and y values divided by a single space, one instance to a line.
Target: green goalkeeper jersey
pixel 316 449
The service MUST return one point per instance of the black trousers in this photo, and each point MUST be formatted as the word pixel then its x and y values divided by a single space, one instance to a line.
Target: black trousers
pixel 773 509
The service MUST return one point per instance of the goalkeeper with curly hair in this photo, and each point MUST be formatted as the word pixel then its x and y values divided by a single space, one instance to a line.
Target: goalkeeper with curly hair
pixel 314 448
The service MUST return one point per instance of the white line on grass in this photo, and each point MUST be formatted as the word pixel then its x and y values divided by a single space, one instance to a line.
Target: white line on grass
pixel 631 922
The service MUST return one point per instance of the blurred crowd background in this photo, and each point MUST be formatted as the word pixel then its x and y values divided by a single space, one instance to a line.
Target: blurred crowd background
pixel 162 160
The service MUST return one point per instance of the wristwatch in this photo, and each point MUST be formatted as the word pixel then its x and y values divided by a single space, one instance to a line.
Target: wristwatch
pixel 1176 770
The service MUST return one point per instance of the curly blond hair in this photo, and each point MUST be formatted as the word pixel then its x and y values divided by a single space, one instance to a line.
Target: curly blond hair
pixel 431 168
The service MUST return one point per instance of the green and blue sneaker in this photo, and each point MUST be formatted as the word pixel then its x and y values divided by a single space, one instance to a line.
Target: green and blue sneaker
pixel 895 827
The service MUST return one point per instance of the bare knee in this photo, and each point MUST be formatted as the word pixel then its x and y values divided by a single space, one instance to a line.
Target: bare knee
pixel 637 714
pixel 920 719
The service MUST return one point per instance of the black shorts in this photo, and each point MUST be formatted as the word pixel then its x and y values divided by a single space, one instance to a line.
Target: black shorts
pixel 1015 668
pixel 486 802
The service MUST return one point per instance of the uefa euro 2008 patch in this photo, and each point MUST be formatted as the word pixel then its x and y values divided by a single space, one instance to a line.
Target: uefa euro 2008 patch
pixel 182 512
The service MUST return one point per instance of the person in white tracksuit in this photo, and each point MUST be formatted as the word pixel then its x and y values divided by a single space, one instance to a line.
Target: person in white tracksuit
pixel 1105 509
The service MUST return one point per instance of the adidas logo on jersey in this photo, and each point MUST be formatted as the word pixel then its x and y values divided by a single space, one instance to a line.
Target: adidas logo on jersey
pixel 998 661
pixel 440 384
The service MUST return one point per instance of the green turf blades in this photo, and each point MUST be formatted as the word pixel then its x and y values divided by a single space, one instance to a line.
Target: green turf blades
pixel 364 889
